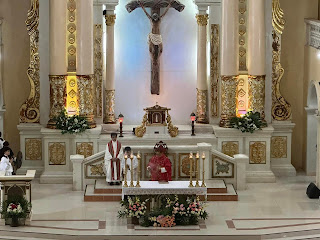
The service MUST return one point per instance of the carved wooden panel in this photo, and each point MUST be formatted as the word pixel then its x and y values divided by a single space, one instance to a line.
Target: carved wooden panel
pixel 33 148
pixel 257 153
pixel 57 153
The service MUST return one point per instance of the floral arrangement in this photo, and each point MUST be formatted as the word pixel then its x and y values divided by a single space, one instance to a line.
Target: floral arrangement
pixel 250 122
pixel 172 211
pixel 133 207
pixel 15 207
pixel 71 124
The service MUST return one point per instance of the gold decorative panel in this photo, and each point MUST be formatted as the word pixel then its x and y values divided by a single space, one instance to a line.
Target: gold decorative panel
pixel 171 156
pixel 228 99
pixel 256 86
pixel 242 94
pixel 281 108
pixel 279 147
pixel 230 148
pixel 184 165
pixel 33 148
pixel 257 153
pixel 243 35
pixel 84 148
pixel 214 68
pixel 57 153
pixel 98 68
pixel 95 169
pixel 71 35
pixel 30 110
pixel 109 116
pixel 202 106
pixel 72 95
pixel 222 168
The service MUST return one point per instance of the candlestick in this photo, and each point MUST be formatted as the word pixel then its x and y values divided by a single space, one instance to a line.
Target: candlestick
pixel 125 171
pixel 203 169
pixel 131 171
pixel 191 163
pixel 138 177
pixel 197 170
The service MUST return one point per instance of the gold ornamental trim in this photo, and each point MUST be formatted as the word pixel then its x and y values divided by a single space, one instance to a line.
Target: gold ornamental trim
pixel 173 130
pixel 202 19
pixel 281 108
pixel 141 130
pixel 30 110
pixel 110 106
pixel 214 68
pixel 256 92
pixel 243 35
pixel 71 35
pixel 279 147
pixel 202 106
pixel 58 96
pixel 257 153
pixel 110 19
pixel 57 153
pixel 229 86
pixel 85 98
pixel 33 148
pixel 84 148
pixel 98 69
pixel 230 148
pixel 278 21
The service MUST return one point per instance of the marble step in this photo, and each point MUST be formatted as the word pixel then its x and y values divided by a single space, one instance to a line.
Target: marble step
pixel 214 186
pixel 231 195
pixel 91 196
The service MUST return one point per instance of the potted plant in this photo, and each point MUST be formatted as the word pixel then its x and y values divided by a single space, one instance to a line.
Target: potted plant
pixel 133 208
pixel 71 124
pixel 15 210
pixel 249 122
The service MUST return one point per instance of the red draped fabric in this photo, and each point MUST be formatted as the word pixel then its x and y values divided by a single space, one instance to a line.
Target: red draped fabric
pixel 156 163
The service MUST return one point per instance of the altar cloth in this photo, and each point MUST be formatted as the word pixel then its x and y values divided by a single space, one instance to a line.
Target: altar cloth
pixel 156 188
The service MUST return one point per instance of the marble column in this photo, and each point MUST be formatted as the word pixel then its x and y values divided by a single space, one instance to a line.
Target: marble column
pixel 202 88
pixel 109 116
pixel 229 60
pixel 58 59
pixel 256 56
pixel 84 16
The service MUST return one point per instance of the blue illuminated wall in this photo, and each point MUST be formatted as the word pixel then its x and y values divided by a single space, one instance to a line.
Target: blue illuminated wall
pixel 178 63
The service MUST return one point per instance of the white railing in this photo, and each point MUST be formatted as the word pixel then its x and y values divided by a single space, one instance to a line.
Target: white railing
pixel 313 33
pixel 217 165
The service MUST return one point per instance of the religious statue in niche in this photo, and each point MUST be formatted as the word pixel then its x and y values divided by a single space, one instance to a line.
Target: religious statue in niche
pixel 154 38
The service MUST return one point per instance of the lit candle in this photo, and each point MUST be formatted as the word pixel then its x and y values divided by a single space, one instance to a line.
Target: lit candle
pixel 138 155
pixel 125 156
pixel 190 155
pixel 197 155
pixel 131 156
pixel 203 155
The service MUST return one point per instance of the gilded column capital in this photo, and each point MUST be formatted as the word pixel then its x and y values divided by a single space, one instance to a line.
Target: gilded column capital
pixel 110 19
pixel 202 19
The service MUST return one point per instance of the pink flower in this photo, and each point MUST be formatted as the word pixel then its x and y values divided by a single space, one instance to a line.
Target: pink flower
pixel 177 204
pixel 134 206
pixel 139 208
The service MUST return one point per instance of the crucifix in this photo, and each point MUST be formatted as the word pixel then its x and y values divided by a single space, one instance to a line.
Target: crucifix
pixel 154 38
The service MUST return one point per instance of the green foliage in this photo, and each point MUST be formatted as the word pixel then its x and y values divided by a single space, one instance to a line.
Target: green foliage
pixel 250 122
pixel 73 124
pixel 16 200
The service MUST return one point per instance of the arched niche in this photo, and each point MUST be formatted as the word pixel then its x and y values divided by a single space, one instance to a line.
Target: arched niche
pixel 312 111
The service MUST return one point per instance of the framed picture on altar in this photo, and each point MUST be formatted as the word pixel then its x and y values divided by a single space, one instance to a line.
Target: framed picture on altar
pixel 184 165
pixel 172 158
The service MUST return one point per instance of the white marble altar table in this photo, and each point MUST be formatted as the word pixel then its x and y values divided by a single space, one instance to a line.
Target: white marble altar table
pixel 156 188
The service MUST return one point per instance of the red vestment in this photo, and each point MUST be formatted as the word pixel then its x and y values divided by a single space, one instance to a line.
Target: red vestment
pixel 155 164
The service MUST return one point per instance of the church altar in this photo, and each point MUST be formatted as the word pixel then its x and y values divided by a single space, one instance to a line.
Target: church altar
pixel 166 188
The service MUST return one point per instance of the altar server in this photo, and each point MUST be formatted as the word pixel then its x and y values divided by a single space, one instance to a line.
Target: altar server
pixel 6 163
pixel 128 152
pixel 112 160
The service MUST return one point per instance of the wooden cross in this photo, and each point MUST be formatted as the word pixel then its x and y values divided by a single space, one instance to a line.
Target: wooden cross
pixel 155 40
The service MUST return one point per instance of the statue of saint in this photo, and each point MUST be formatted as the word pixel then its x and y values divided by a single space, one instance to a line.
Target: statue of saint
pixel 154 38
pixel 159 165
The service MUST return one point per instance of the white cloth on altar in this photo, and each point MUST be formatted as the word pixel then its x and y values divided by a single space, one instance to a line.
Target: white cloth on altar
pixel 135 165
pixel 107 162
pixel 6 166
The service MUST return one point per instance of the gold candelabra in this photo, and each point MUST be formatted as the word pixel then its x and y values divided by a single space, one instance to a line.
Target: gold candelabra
pixel 131 170
pixel 197 170
pixel 125 171
pixel 139 170
pixel 191 163
pixel 203 169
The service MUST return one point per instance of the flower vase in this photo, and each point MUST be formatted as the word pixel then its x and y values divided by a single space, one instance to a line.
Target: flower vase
pixel 14 221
